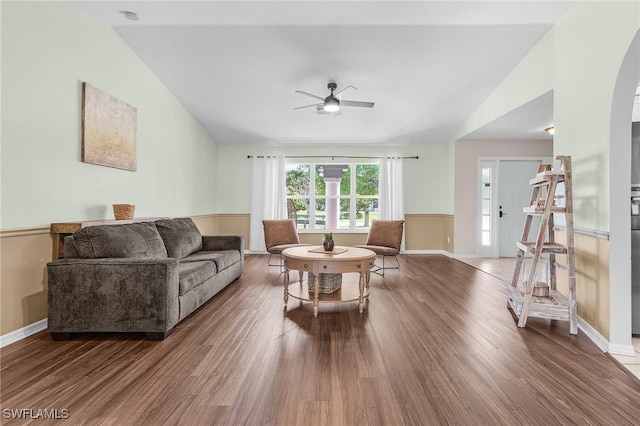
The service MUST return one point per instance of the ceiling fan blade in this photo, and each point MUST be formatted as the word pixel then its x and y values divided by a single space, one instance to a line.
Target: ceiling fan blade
pixel 309 94
pixel 352 87
pixel 357 104
pixel 307 106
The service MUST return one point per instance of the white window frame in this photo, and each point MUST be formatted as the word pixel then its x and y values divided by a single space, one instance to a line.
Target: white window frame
pixel 494 165
pixel 353 196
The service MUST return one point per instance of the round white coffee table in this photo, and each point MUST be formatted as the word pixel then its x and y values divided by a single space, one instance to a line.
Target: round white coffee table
pixel 317 261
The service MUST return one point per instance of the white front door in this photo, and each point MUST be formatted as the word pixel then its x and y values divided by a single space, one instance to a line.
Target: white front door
pixel 514 193
pixel 503 191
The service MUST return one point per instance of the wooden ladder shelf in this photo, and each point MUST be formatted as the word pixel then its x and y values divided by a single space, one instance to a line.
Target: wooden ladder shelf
pixel 530 297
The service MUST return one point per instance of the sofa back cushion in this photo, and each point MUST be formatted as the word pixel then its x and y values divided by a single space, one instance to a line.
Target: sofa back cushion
pixel 70 250
pixel 181 236
pixel 139 240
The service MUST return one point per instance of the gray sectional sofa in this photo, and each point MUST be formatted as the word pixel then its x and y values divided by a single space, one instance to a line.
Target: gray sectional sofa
pixel 138 277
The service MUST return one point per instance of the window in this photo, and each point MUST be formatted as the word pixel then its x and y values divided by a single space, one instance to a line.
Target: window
pixel 486 206
pixel 332 196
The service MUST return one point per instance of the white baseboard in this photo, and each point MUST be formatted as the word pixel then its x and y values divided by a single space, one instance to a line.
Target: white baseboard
pixel 602 343
pixel 423 252
pixel 626 350
pixel 593 335
pixel 23 332
pixel 465 256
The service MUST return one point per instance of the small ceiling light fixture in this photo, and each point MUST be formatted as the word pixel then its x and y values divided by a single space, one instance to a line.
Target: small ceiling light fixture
pixel 551 130
pixel 131 16
pixel 331 104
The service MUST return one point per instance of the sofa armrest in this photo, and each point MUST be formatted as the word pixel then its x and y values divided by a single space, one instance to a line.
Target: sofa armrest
pixel 223 242
pixel 113 295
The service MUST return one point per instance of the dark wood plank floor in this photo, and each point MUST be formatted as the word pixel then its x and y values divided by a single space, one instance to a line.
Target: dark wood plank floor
pixel 436 345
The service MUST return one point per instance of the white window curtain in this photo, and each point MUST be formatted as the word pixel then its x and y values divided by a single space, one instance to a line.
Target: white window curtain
pixel 268 196
pixel 391 192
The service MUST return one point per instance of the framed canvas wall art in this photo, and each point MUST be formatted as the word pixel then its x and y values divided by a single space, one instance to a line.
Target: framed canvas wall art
pixel 108 130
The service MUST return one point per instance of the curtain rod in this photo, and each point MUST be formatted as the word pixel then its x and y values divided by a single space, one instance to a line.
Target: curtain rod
pixel 414 157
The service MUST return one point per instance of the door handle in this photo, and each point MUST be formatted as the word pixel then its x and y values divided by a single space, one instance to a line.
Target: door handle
pixel 501 213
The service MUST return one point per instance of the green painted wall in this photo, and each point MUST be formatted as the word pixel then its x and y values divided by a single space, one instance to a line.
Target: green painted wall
pixel 48 50
pixel 579 59
pixel 426 180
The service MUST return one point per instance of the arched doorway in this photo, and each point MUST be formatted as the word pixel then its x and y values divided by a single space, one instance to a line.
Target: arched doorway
pixel 620 179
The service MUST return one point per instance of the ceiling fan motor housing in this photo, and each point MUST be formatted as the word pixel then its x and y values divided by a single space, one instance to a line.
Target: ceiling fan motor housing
pixel 331 103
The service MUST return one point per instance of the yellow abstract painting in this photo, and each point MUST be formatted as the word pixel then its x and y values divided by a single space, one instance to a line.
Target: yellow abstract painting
pixel 108 130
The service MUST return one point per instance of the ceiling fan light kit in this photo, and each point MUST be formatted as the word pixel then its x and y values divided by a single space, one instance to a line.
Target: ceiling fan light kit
pixel 331 104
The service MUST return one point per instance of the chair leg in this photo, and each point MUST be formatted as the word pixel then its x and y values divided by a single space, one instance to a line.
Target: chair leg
pixel 279 264
pixel 380 269
pixel 395 256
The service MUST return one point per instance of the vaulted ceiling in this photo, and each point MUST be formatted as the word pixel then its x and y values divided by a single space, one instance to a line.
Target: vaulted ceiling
pixel 427 65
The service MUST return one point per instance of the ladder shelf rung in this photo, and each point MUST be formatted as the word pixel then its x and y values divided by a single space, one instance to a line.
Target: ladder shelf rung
pixel 544 178
pixel 554 306
pixel 539 211
pixel 530 247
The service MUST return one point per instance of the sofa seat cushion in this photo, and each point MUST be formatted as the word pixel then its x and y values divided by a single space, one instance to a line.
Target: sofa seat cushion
pixel 222 258
pixel 180 236
pixel 192 274
pixel 134 240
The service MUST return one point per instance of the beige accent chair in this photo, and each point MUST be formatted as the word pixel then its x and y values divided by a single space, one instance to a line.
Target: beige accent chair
pixel 385 238
pixel 278 236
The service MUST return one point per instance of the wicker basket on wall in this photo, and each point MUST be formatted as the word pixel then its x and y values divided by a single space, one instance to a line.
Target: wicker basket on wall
pixel 124 211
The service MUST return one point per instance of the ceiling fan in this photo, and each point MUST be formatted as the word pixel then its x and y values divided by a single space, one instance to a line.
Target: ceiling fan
pixel 332 104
